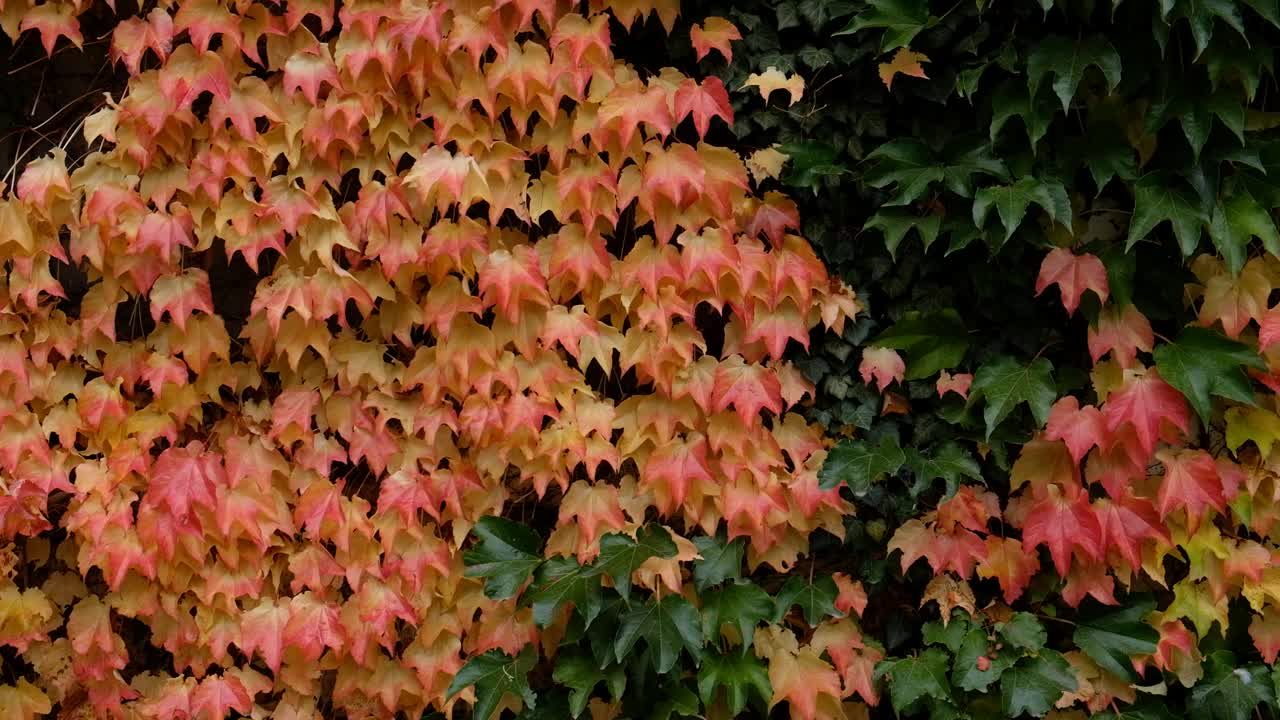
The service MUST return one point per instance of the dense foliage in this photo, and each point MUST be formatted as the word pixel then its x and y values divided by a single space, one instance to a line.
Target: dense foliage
pixel 428 359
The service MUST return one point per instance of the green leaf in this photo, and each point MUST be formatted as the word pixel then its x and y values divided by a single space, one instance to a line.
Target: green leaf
pixel 495 674
pixel 739 674
pixel 620 555
pixel 1229 692
pixel 667 626
pixel 505 556
pixel 949 461
pixel 967 675
pixel 562 580
pixel 901 20
pixel 932 342
pixel 1108 155
pixel 1067 59
pixel 1024 632
pixel 1203 363
pixel 1110 640
pixel 909 164
pixel 741 604
pixel 720 561
pixel 859 463
pixel 1156 199
pixel 817 599
pixel 1011 202
pixel 580 674
pixel 911 679
pixel 895 224
pixel 1238 219
pixel 810 162
pixel 788 15
pixel 1035 684
pixel 950 635
pixel 1013 100
pixel 1004 383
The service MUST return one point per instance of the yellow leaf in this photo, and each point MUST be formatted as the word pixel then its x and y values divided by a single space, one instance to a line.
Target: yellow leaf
pixel 906 62
pixel 23 702
pixel 950 593
pixel 766 163
pixel 774 79
pixel 1256 424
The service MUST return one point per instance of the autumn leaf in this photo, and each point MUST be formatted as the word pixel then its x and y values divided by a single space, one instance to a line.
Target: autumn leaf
pixel 774 79
pixel 905 61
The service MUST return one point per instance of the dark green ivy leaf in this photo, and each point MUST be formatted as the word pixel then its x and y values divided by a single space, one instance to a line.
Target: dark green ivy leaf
pixel 720 561
pixel 966 673
pixel 495 674
pixel 900 19
pixel 667 626
pixel 1110 640
pixel 1035 684
pixel 1004 383
pixel 1203 363
pixel 562 580
pixel 913 678
pixel 1024 632
pixel 948 461
pixel 1067 59
pixel 859 463
pixel 741 604
pixel 932 342
pixel 580 674
pixel 817 599
pixel 505 556
pixel 738 674
pixel 1238 219
pixel 620 555
pixel 1011 202
pixel 1228 691
pixel 1159 197
pixel 895 223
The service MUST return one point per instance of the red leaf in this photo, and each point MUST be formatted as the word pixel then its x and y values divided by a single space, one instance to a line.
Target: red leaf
pixel 1191 482
pixel 703 101
pixel 1080 428
pixel 882 364
pixel 1151 407
pixel 1121 332
pixel 1073 274
pixel 1064 522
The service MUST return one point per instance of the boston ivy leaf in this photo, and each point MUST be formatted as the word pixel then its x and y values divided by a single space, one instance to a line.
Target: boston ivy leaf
pixel 741 604
pixel 949 461
pixel 967 156
pixel 1107 155
pixel 1035 684
pixel 1203 363
pixel 1011 100
pixel 667 626
pixel 720 561
pixel 913 678
pixel 950 635
pixel 581 675
pixel 1004 383
pixel 1067 59
pixel 906 162
pixel 562 580
pixel 739 674
pixel 896 223
pixel 902 20
pixel 1024 632
pixel 932 342
pixel 1158 197
pixel 810 162
pixel 620 555
pixel 1238 219
pixel 1011 202
pixel 494 674
pixel 1228 691
pixel 975 668
pixel 817 599
pixel 675 699
pixel 859 463
pixel 1112 639
pixel 505 556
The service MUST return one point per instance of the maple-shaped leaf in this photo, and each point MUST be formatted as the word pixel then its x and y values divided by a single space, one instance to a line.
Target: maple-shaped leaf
pixel 948 462
pixel 620 555
pixel 859 464
pixel 181 295
pixel 906 62
pixel 507 553
pixel 560 581
pixel 958 384
pixel 1067 59
pixel 816 598
pixel 949 593
pixel 738 674
pixel 913 166
pixel 1203 363
pixel 1159 197
pixel 1009 563
pixel 748 388
pixel 1064 522
pixel 1265 631
pixel 741 604
pixel 262 629
pixel 1127 521
pixel 1036 683
pixel 913 678
pixel 1121 331
pixel 1112 639
pixel 1192 482
pixel 703 101
pixel 217 695
pixel 1238 219
pixel 901 20
pixel 1081 428
pixel 1255 424
pixel 23 701
pixel 881 364
pixel 932 343
pixel 803 679
pixel 494 674
pixel 1229 691
pixel 668 626
pixel 1004 383
pixel 1151 407
pixel 719 561
pixel 715 33
pixel 774 79
pixel 52 21
pixel 1073 274
pixel 1011 202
